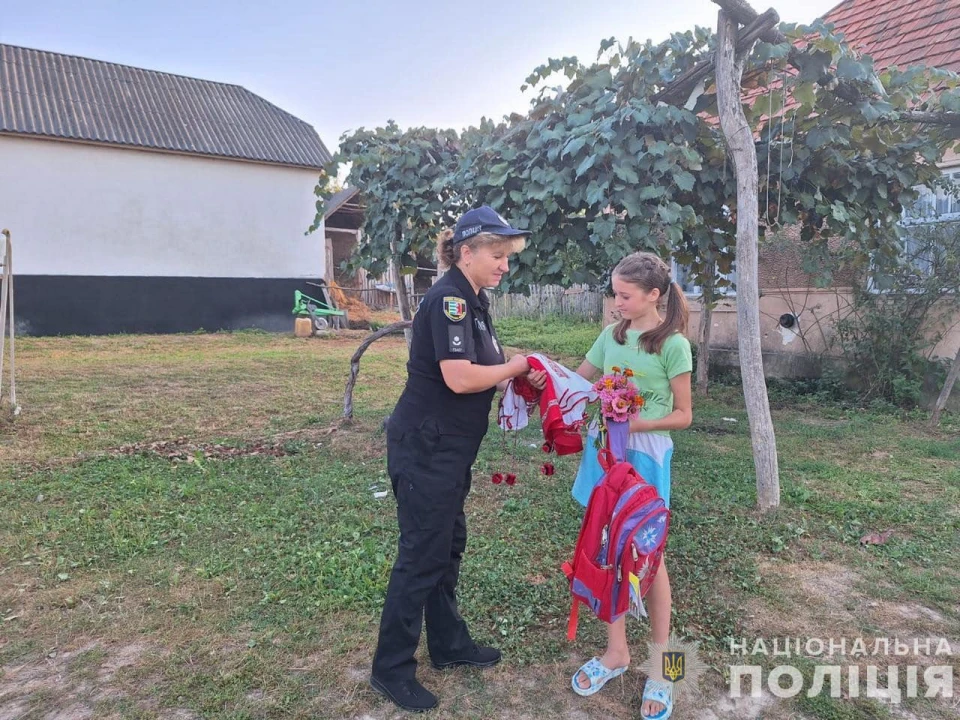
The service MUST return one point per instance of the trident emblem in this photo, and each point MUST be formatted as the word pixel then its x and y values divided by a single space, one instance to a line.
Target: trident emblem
pixel 674 667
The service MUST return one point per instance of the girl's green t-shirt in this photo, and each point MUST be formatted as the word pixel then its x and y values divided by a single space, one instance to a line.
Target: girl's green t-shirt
pixel 652 373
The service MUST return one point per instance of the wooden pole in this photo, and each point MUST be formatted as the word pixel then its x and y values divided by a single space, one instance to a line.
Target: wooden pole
pixel 740 144
pixel 7 315
pixel 945 392
pixel 403 300
pixel 707 297
pixel 4 296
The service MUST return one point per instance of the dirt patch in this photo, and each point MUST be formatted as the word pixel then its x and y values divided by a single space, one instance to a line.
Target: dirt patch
pixel 912 620
pixel 359 440
pixel 531 693
pixel 724 707
pixel 70 683
pixel 810 600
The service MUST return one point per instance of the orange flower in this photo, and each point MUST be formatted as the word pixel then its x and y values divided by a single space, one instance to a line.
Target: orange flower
pixel 609 383
pixel 628 372
pixel 639 400
pixel 615 369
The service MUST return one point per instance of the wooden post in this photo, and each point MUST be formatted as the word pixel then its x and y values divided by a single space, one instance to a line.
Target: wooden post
pixel 328 259
pixel 703 336
pixel 400 287
pixel 7 316
pixel 947 389
pixel 740 143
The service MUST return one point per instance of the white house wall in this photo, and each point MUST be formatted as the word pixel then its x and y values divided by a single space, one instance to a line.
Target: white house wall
pixel 192 233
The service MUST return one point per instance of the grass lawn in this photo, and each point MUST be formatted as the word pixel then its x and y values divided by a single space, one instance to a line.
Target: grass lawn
pixel 186 531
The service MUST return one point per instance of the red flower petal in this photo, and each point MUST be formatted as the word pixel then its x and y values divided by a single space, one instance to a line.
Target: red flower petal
pixel 547 468
pixel 546 447
pixel 497 478
pixel 511 478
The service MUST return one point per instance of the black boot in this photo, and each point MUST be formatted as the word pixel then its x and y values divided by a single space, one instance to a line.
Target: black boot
pixel 407 694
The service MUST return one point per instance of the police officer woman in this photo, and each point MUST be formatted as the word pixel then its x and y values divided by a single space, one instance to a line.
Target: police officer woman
pixel 456 365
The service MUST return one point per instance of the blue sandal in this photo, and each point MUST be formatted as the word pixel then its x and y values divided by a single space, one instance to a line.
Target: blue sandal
pixel 597 674
pixel 659 691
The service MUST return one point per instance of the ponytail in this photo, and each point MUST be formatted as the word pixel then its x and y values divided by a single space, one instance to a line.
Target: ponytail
pixel 675 321
pixel 447 255
pixel 620 332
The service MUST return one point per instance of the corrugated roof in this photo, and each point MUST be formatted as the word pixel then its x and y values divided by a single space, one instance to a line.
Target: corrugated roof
pixel 892 32
pixel 73 98
pixel 337 200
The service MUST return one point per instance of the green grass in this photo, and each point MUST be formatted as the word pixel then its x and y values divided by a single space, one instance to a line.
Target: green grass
pixel 247 587
pixel 557 336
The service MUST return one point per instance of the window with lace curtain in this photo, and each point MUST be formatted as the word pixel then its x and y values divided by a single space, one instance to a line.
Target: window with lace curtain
pixel 936 205
pixel 939 203
pixel 928 233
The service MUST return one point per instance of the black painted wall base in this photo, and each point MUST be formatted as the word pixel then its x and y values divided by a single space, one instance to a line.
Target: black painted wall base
pixel 101 305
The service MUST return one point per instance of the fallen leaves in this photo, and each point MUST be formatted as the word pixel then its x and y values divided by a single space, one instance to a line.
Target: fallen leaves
pixel 876 538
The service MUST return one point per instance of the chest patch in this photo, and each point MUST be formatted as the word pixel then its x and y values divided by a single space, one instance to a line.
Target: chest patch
pixel 454 308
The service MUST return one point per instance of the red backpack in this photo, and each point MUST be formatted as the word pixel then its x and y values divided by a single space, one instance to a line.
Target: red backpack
pixel 624 531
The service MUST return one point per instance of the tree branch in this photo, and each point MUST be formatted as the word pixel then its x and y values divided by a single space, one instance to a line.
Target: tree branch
pixel 355 363
pixel 942 118
pixel 741 11
pixel 747 37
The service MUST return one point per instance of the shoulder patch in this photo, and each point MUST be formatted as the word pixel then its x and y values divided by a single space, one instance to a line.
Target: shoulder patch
pixel 456 337
pixel 454 308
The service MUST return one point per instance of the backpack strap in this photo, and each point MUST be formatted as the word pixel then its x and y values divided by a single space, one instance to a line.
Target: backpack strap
pixel 574 618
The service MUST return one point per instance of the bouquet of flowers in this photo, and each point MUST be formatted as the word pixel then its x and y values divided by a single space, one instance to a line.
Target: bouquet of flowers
pixel 618 400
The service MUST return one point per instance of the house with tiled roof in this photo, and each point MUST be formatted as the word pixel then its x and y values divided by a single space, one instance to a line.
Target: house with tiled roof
pixel 921 32
pixel 796 317
pixel 142 201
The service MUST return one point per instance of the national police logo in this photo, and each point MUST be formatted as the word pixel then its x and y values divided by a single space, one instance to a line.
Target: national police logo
pixel 675 661
pixel 454 308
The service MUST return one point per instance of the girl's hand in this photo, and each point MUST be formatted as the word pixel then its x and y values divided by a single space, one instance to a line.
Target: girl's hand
pixel 537 378
pixel 640 425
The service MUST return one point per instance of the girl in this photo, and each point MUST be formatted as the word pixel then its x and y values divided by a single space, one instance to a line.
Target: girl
pixel 655 348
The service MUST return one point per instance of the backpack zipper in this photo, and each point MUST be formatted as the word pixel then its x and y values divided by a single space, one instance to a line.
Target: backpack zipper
pixel 602 554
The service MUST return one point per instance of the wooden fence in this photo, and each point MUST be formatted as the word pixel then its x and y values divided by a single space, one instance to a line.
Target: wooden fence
pixel 543 301
pixel 547 300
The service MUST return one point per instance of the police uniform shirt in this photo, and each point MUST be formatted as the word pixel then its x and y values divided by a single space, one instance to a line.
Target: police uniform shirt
pixel 452 323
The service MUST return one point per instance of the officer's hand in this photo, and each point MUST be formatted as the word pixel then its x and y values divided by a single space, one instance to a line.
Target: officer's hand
pixel 537 378
pixel 518 365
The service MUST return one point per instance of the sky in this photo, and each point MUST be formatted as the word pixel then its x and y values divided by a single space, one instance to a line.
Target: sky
pixel 359 63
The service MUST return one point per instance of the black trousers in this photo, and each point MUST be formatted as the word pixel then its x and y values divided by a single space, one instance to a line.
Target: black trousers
pixel 431 478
